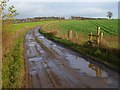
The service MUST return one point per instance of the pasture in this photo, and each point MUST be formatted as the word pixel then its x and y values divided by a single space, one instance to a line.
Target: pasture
pixel 84 27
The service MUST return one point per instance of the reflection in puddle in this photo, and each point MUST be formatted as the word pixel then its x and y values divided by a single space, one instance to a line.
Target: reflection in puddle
pixel 96 69
pixel 35 59
pixel 84 66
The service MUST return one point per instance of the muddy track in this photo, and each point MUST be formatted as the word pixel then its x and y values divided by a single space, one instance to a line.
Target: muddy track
pixel 49 65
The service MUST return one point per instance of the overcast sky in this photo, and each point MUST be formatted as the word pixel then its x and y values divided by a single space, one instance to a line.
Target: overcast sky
pixel 29 8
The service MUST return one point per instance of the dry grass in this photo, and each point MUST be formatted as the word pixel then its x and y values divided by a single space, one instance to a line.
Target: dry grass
pixel 13 60
pixel 8 38
pixel 13 72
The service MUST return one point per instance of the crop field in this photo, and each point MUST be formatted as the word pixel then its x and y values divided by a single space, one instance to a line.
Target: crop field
pixel 84 27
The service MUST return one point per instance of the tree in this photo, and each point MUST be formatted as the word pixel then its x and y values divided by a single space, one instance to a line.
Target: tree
pixel 2 6
pixel 109 14
pixel 10 15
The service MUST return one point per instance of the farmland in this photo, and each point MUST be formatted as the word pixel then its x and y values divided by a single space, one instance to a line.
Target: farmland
pixel 13 43
pixel 84 27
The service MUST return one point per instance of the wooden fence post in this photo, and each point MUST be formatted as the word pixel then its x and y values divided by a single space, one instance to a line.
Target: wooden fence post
pixel 90 37
pixel 76 37
pixel 98 31
pixel 73 37
pixel 98 35
pixel 69 35
pixel 101 37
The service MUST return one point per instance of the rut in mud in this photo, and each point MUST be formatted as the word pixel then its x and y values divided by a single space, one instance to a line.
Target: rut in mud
pixel 50 65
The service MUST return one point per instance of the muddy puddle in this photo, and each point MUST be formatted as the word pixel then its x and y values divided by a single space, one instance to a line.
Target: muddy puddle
pixel 84 66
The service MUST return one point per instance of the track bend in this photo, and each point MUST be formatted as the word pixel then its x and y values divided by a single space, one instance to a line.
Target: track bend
pixel 50 65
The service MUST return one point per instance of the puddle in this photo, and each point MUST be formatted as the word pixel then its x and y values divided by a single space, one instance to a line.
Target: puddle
pixel 37 34
pixel 39 48
pixel 41 51
pixel 35 59
pixel 31 44
pixel 54 45
pixel 84 66
pixel 30 37
pixel 41 37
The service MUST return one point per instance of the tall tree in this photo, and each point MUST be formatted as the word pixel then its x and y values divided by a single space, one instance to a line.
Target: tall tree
pixel 109 14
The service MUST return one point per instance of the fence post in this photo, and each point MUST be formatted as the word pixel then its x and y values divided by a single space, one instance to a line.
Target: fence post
pixel 90 37
pixel 98 31
pixel 72 38
pixel 98 35
pixel 69 35
pixel 101 37
pixel 76 37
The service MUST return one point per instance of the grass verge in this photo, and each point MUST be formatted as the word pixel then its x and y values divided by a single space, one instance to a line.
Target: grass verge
pixel 13 68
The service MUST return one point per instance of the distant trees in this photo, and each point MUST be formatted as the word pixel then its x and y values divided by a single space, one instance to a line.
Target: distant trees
pixel 109 14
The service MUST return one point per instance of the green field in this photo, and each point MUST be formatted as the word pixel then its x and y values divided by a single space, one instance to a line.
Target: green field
pixel 84 27
pixel 109 27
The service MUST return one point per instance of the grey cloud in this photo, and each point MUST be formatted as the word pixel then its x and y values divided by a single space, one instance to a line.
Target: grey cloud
pixel 32 9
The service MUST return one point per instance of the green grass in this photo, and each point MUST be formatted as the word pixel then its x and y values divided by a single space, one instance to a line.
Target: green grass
pixel 13 72
pixel 13 66
pixel 84 27
pixel 15 27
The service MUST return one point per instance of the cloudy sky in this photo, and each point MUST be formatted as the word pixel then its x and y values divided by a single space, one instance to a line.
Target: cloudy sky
pixel 36 8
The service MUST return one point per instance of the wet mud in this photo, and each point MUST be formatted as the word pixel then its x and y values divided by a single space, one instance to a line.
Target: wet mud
pixel 64 69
